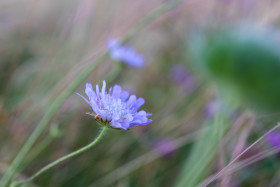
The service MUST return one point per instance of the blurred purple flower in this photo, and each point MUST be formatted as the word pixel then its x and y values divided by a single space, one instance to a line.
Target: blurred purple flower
pixel 181 76
pixel 165 147
pixel 212 108
pixel 125 54
pixel 273 139
pixel 116 109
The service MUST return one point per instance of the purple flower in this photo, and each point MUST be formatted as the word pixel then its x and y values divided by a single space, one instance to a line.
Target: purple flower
pixel 165 147
pixel 212 108
pixel 273 139
pixel 125 54
pixel 116 109
pixel 181 76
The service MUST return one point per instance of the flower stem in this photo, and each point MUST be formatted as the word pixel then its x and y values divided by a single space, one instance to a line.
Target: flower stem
pixel 46 119
pixel 203 151
pixel 58 161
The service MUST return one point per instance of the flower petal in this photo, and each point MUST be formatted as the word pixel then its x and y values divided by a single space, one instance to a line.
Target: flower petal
pixel 117 91
pixel 83 97
pixel 89 91
pixel 124 96
pixel 131 101
pixel 97 90
pixel 103 88
pixel 140 101
pixel 140 124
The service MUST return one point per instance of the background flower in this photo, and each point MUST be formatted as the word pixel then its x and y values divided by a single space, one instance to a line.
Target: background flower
pixel 125 54
pixel 273 139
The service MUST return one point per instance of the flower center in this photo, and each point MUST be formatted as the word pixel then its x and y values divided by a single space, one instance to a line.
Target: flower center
pixel 112 108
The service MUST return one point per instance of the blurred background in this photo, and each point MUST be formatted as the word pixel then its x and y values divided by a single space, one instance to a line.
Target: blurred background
pixel 45 45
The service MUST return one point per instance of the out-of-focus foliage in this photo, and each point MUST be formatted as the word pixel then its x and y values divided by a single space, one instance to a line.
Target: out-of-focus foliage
pixel 246 61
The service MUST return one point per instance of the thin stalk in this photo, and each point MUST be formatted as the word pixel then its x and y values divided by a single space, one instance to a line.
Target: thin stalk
pixel 242 164
pixel 140 161
pixel 114 73
pixel 58 161
pixel 203 152
pixel 54 133
pixel 46 119
pixel 36 152
pixel 241 154
pixel 72 87
pixel 150 17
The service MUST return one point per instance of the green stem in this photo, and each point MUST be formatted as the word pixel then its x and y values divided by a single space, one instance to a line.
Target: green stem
pixel 203 152
pixel 58 161
pixel 47 117
pixel 35 152
pixel 151 16
pixel 72 87
pixel 114 73
pixel 54 133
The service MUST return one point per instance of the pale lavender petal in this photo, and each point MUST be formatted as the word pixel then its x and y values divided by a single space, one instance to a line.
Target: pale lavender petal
pixel 116 124
pixel 131 101
pixel 140 117
pixel 97 90
pixel 83 97
pixel 128 117
pixel 117 91
pixel 140 124
pixel 140 101
pixel 94 106
pixel 104 115
pixel 125 125
pixel 89 91
pixel 103 87
pixel 124 96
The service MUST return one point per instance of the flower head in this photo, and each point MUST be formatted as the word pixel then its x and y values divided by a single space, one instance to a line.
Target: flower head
pixel 117 108
pixel 125 54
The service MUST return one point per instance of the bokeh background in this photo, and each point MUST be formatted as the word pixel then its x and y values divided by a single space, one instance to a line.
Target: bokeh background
pixel 45 45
